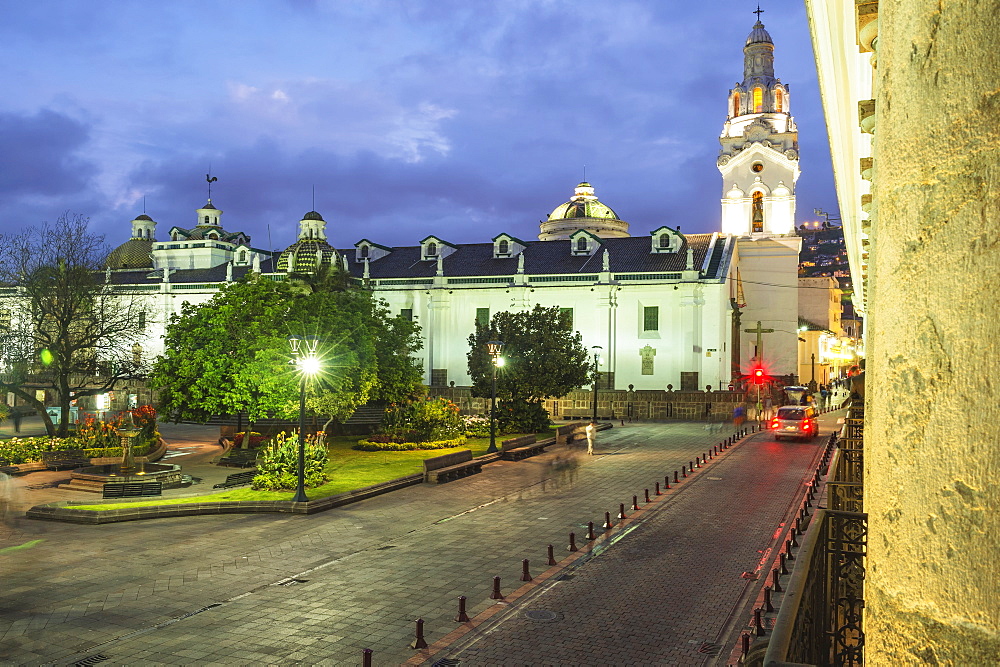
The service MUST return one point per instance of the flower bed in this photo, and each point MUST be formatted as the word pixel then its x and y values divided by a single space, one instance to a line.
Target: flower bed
pixel 370 446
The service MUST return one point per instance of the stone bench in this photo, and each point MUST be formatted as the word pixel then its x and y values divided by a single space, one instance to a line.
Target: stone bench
pixel 240 458
pixel 447 467
pixel 237 479
pixel 133 489
pixel 516 449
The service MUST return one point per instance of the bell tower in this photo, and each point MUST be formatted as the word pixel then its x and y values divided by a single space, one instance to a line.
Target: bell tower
pixel 759 158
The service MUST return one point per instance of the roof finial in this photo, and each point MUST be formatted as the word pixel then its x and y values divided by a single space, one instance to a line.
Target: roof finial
pixel 144 204
pixel 314 197
pixel 211 179
pixel 758 12
pixel 584 173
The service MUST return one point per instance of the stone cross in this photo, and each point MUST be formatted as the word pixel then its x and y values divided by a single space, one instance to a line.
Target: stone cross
pixel 759 350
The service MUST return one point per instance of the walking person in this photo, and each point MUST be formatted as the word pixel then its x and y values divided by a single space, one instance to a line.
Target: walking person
pixel 739 416
pixel 591 436
pixel 15 416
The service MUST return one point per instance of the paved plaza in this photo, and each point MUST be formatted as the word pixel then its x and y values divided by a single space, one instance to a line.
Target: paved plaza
pixel 670 587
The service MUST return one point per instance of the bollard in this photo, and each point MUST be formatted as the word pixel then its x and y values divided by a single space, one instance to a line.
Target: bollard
pixel 462 616
pixel 697 463
pixel 658 492
pixel 794 542
pixel 572 542
pixel 607 521
pixel 496 594
pixel 767 599
pixel 781 560
pixel 667 480
pixel 590 531
pixel 675 477
pixel 647 497
pixel 745 638
pixel 775 586
pixel 635 502
pixel 621 511
pixel 690 468
pixel 788 550
pixel 366 657
pixel 552 555
pixel 525 574
pixel 798 526
pixel 758 623
pixel 419 642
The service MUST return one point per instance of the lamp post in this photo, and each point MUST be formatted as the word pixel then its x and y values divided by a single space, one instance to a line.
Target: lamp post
pixel 303 356
pixel 494 347
pixel 597 362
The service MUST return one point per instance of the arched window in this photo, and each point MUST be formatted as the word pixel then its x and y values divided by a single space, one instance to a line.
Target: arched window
pixel 664 241
pixel 758 99
pixel 432 249
pixel 581 243
pixel 214 237
pixel 757 212
pixel 736 103
pixel 206 220
pixel 779 100
pixel 173 236
pixel 243 256
pixel 364 251
pixel 503 247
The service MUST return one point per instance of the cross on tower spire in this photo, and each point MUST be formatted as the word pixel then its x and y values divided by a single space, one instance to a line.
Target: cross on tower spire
pixel 758 12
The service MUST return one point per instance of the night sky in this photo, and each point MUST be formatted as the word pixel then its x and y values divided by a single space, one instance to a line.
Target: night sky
pixel 459 118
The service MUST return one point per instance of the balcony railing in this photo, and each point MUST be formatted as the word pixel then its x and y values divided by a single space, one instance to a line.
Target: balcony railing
pixel 820 618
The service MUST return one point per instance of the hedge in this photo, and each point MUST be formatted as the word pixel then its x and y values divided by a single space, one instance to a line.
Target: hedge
pixel 369 446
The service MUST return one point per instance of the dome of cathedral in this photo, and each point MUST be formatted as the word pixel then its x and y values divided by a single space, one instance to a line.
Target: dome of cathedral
pixel 758 35
pixel 306 256
pixel 583 204
pixel 133 254
pixel 313 215
pixel 143 216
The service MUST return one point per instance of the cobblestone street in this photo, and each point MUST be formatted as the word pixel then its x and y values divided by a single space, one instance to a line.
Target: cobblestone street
pixel 280 589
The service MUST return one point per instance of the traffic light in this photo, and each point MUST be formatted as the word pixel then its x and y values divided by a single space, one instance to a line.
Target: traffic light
pixel 757 376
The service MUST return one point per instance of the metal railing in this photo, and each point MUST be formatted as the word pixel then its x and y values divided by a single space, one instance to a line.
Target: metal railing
pixel 820 618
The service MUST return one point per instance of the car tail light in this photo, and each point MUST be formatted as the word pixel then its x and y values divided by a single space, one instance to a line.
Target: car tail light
pixel 806 426
pixel 774 424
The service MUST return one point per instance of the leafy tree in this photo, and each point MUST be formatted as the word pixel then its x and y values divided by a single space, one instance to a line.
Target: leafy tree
pixel 231 354
pixel 543 357
pixel 71 331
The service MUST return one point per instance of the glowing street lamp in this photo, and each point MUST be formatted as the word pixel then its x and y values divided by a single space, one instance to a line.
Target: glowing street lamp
pixel 494 347
pixel 303 356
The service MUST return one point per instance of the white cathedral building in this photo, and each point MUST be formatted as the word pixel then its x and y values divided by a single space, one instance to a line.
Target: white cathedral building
pixel 664 308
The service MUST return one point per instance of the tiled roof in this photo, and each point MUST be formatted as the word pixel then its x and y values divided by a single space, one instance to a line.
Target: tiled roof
pixel 540 257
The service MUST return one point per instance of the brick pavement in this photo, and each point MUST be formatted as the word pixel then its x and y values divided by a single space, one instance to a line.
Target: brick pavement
pixel 216 589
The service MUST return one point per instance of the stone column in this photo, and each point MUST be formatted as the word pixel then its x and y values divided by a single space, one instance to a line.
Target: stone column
pixel 932 458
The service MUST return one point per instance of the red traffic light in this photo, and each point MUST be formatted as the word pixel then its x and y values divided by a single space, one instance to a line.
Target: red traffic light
pixel 757 376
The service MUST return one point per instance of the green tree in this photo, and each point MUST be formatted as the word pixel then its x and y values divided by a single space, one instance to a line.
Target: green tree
pixel 231 354
pixel 543 357
pixel 67 328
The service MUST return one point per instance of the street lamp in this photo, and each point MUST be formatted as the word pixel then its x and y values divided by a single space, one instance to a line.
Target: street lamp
pixel 494 347
pixel 597 362
pixel 303 356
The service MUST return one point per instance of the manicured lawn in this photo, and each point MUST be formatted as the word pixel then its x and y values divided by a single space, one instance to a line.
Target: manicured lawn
pixel 349 469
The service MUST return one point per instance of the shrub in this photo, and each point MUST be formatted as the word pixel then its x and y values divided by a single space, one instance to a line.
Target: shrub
pixel 26 450
pixel 521 416
pixel 256 439
pixel 372 445
pixel 476 426
pixel 278 463
pixel 424 420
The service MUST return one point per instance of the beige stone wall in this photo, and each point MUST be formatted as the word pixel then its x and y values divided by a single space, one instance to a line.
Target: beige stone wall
pixel 932 437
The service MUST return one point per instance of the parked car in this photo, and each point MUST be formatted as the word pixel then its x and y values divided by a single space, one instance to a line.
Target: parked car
pixel 795 421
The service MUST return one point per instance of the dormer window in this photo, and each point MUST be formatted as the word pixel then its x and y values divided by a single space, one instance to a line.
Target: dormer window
pixel 581 244
pixel 364 252
pixel 173 236
pixel 243 257
pixel 432 249
pixel 664 241
pixel 503 247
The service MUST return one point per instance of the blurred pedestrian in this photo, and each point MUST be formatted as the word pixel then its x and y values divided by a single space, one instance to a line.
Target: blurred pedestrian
pixel 739 415
pixel 15 416
pixel 591 437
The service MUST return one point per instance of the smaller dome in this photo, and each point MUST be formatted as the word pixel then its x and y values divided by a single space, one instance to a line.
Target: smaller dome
pixel 133 254
pixel 209 206
pixel 735 193
pixel 781 190
pixel 143 216
pixel 313 215
pixel 758 35
pixel 583 204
